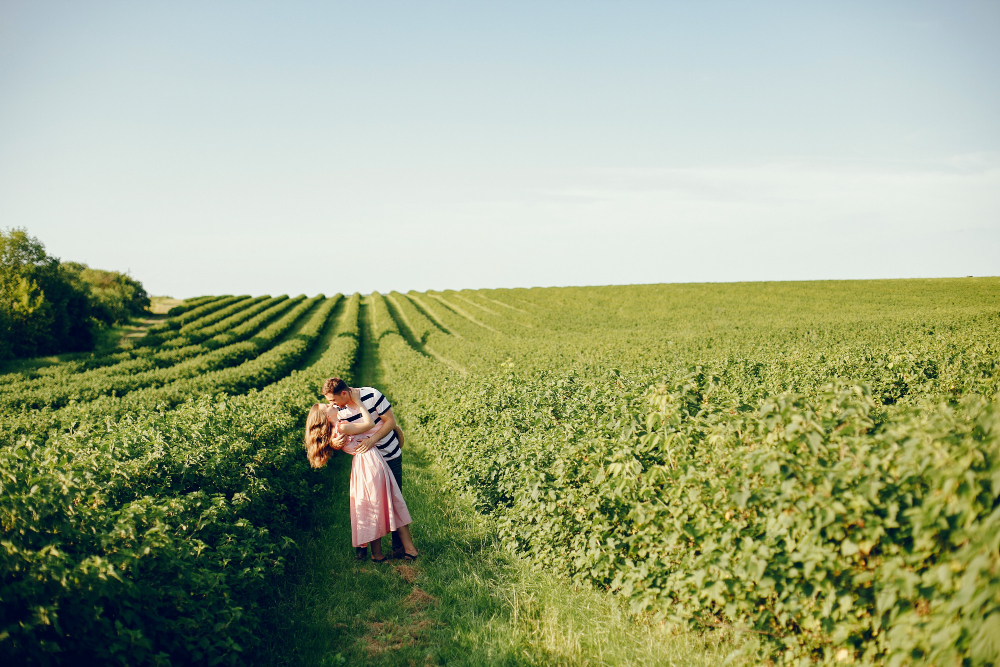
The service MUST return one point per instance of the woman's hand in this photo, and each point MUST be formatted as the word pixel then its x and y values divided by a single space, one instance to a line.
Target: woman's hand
pixel 338 441
pixel 356 395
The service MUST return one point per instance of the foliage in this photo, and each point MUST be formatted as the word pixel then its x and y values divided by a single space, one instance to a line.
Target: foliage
pixel 190 304
pixel 44 309
pixel 89 386
pixel 814 465
pixel 829 485
pixel 48 307
pixel 146 538
pixel 115 297
pixel 170 328
pixel 268 356
pixel 57 385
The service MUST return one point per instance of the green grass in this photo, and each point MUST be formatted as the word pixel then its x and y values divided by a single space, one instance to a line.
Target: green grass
pixel 484 606
pixel 466 601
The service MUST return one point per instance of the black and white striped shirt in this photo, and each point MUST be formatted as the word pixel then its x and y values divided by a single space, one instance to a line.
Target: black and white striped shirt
pixel 377 405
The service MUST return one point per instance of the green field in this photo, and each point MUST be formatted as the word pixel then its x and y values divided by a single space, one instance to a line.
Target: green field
pixel 665 474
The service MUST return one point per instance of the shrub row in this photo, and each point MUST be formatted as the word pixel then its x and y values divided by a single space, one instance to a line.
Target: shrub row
pixel 190 304
pixel 349 320
pixel 382 322
pixel 828 527
pixel 136 374
pixel 147 540
pixel 168 329
pixel 194 377
pixel 418 325
pixel 56 388
pixel 219 315
pixel 223 324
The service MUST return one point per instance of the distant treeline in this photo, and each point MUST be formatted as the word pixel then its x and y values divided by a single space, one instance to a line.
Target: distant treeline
pixel 49 307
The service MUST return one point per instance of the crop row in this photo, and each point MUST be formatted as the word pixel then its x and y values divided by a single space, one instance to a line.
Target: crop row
pixel 413 320
pixel 129 376
pixel 130 351
pixel 382 322
pixel 218 316
pixel 190 304
pixel 794 520
pixel 148 541
pixel 55 389
pixel 233 329
pixel 196 378
pixel 169 328
pixel 208 329
pixel 832 523
pixel 159 333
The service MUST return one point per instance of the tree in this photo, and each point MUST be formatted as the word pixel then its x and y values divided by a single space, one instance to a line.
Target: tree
pixel 25 272
pixel 47 307
pixel 115 297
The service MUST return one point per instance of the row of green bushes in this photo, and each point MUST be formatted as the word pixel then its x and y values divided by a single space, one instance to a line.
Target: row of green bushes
pixel 123 378
pixel 235 368
pixel 130 357
pixel 84 416
pixel 190 304
pixel 829 526
pixel 148 539
pixel 170 328
pixel 55 387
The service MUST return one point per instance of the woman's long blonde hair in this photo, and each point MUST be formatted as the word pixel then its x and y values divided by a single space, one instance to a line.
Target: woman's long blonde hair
pixel 319 432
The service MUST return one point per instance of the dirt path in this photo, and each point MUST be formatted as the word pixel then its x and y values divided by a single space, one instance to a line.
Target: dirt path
pixel 467 600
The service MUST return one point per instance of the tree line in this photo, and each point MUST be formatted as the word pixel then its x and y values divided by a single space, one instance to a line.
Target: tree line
pixel 49 307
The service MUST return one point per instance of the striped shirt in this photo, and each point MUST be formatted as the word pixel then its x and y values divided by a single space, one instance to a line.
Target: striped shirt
pixel 377 405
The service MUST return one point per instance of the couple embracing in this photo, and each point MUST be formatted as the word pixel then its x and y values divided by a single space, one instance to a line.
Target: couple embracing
pixel 359 422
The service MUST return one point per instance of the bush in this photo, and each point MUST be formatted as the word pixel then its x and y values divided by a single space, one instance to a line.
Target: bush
pixel 114 296
pixel 149 538
pixel 802 520
pixel 48 307
pixel 44 309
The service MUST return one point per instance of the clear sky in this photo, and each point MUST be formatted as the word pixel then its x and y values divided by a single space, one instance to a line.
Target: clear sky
pixel 258 147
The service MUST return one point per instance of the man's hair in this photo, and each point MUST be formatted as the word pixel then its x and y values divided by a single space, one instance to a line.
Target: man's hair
pixel 334 386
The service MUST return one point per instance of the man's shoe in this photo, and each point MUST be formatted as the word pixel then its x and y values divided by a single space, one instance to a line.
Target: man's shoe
pixel 397 554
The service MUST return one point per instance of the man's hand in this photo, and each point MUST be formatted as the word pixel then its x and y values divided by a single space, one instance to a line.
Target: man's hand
pixel 364 446
pixel 355 395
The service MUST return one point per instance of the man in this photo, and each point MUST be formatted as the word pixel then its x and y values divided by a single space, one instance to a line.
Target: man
pixel 385 435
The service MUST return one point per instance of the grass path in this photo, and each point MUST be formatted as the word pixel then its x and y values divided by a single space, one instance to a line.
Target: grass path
pixel 466 601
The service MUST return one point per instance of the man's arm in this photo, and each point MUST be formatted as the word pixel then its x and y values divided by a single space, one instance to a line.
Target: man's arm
pixel 388 424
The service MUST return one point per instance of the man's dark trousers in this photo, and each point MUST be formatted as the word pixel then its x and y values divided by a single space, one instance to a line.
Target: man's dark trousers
pixel 396 466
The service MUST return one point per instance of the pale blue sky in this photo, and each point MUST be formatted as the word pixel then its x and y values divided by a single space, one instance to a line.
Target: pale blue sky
pixel 323 147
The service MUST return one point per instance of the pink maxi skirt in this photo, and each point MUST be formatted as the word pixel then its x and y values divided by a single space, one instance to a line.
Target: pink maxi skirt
pixel 377 505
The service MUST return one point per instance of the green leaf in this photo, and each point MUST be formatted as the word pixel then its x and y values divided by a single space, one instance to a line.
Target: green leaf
pixel 848 548
pixel 985 646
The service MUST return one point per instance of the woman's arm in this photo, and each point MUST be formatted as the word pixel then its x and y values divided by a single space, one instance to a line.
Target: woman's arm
pixel 387 425
pixel 366 423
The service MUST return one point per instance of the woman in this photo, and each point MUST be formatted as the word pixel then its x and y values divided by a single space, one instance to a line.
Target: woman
pixel 377 505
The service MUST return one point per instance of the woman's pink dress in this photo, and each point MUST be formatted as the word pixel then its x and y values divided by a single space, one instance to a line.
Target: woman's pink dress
pixel 377 505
